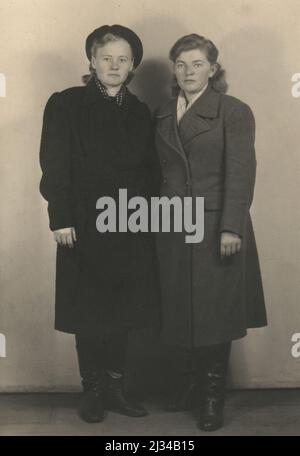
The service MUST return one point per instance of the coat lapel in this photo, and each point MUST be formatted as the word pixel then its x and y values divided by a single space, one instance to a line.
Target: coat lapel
pixel 90 118
pixel 198 120
pixel 167 127
pixel 200 117
pixel 91 94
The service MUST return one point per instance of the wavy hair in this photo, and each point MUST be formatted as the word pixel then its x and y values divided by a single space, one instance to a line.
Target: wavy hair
pixel 194 41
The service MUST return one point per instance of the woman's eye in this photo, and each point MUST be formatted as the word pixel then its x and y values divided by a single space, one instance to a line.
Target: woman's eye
pixel 179 66
pixel 197 65
pixel 123 60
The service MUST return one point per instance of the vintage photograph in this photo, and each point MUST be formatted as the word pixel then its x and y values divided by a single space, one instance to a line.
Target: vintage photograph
pixel 150 231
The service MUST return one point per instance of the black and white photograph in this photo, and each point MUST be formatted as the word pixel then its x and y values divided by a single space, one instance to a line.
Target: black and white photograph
pixel 150 223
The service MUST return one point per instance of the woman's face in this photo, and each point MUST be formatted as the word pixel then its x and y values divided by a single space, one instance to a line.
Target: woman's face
pixel 193 70
pixel 113 62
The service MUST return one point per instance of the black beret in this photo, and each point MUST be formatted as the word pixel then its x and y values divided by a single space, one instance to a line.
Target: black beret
pixel 123 32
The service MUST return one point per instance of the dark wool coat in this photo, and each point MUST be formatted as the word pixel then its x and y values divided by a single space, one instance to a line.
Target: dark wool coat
pixel 91 148
pixel 207 300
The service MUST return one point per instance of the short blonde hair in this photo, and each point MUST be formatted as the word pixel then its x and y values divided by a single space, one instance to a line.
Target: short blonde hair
pixel 100 42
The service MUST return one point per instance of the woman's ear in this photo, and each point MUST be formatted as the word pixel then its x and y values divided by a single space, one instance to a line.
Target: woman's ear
pixel 93 62
pixel 213 69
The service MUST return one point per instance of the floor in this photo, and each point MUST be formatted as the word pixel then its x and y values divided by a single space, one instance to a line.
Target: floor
pixel 253 413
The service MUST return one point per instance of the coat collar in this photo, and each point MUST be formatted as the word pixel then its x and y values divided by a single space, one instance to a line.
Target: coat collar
pixel 196 121
pixel 93 95
pixel 206 106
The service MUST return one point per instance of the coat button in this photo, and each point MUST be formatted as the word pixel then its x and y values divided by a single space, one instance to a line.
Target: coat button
pixel 187 183
pixel 164 162
pixel 165 181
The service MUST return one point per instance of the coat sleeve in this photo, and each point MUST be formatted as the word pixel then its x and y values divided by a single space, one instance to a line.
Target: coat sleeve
pixel 55 161
pixel 240 168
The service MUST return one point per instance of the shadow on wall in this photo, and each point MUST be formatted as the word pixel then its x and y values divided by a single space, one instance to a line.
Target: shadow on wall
pixel 153 79
pixel 152 83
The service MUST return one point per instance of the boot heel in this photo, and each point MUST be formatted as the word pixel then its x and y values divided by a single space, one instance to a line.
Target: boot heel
pixel 118 401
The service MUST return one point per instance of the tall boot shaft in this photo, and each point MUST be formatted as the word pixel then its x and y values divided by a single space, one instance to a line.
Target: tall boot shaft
pixel 90 354
pixel 215 361
pixel 215 367
pixel 91 408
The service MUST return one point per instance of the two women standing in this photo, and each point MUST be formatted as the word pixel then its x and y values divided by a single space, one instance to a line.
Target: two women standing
pixel 98 139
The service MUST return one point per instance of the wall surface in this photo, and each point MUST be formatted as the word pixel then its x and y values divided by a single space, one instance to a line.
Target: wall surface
pixel 42 51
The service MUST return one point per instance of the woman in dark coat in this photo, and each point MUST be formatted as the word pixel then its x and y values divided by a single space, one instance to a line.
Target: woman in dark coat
pixel 212 290
pixel 97 140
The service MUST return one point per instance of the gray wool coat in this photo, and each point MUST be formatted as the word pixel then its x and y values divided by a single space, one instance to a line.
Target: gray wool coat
pixel 207 300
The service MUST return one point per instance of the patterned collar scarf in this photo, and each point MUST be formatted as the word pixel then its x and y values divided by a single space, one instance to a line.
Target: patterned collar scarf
pixel 118 99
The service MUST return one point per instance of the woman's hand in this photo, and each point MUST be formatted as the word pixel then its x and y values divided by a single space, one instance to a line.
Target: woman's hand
pixel 230 244
pixel 65 237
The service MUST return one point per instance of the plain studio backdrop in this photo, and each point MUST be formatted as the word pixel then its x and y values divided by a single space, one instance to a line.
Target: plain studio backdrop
pixel 42 51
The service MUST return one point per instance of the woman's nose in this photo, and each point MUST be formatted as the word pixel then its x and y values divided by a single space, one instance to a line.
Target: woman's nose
pixel 114 65
pixel 189 70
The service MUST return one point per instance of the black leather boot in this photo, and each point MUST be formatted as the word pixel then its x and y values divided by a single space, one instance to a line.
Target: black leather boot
pixel 91 408
pixel 211 411
pixel 184 394
pixel 116 399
